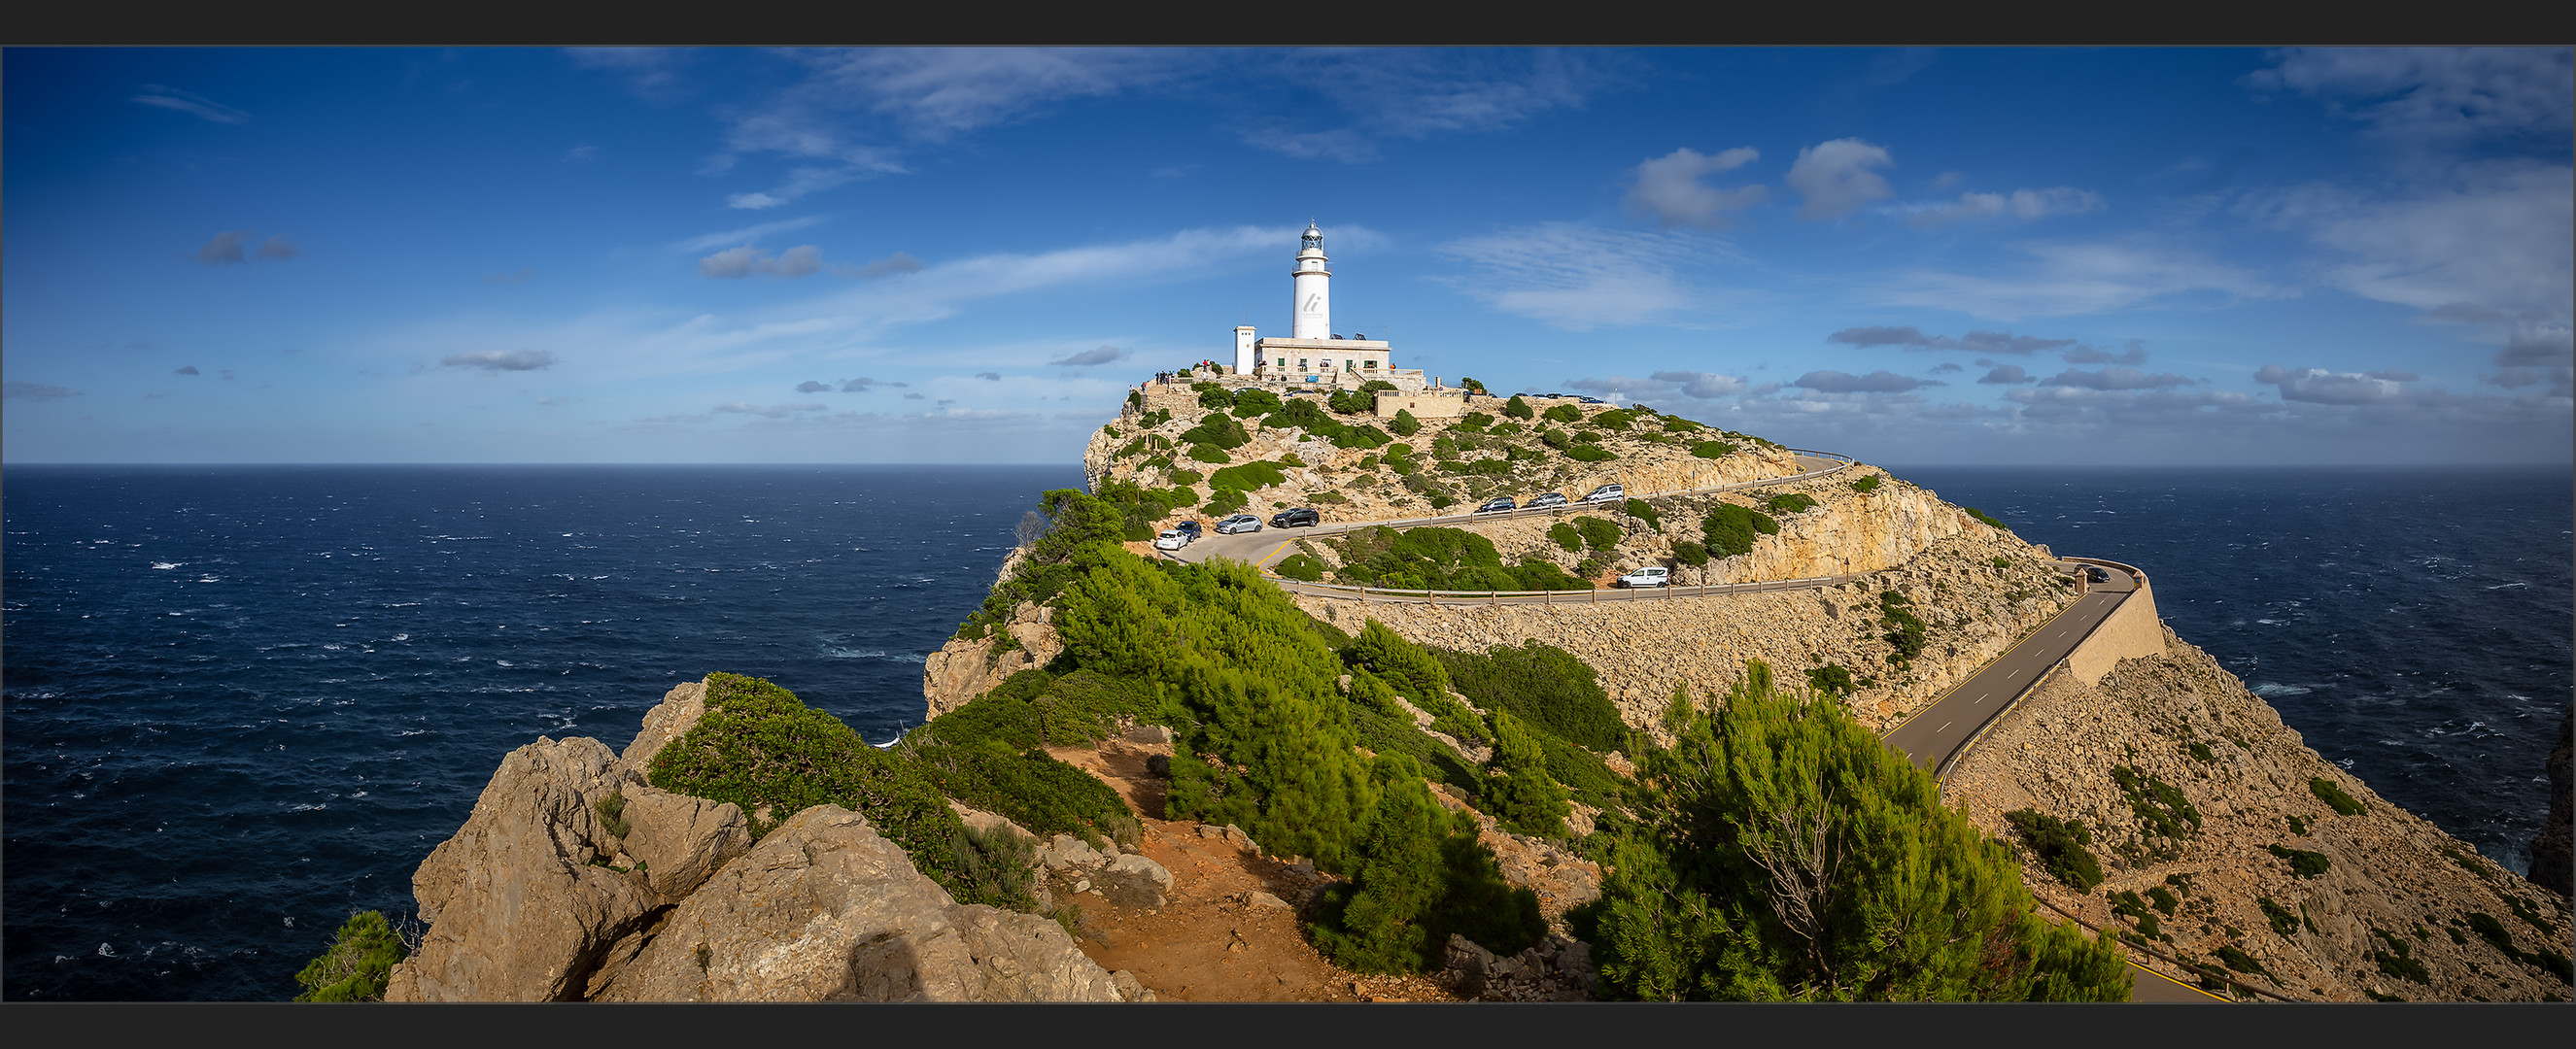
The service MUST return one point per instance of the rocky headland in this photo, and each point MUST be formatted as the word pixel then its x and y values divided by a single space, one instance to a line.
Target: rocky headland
pixel 2231 854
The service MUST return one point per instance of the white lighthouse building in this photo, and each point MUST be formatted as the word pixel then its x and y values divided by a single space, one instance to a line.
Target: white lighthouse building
pixel 1313 352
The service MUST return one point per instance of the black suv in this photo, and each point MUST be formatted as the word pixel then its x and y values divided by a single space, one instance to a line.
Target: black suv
pixel 1189 530
pixel 1296 517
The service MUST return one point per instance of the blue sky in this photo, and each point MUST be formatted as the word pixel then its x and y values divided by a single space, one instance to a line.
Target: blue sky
pixel 1958 256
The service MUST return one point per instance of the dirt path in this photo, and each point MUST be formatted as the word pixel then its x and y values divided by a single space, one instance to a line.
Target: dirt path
pixel 1229 931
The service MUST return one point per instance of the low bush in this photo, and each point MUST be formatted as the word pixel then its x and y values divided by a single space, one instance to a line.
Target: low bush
pixel 1249 477
pixel 1423 878
pixel 1690 553
pixel 1473 421
pixel 1677 424
pixel 1730 529
pixel 1791 503
pixel 1589 453
pixel 2334 797
pixel 2160 807
pixel 356 965
pixel 1989 521
pixel 1219 429
pixel 1644 511
pixel 1442 559
pixel 2200 751
pixel 1564 535
pixel 2303 863
pixel 1209 453
pixel 2059 846
pixel 1831 678
pixel 1250 403
pixel 2240 961
pixel 1518 408
pixel 2284 923
pixel 1300 567
pixel 759 748
pixel 1543 685
pixel 1906 633
pixel 1183 478
pixel 2000 562
pixel 1866 485
pixel 1404 424
pixel 1598 533
pixel 1227 501
pixel 1712 449
pixel 1562 413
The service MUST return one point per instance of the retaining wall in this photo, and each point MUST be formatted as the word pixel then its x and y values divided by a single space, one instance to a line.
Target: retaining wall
pixel 2132 630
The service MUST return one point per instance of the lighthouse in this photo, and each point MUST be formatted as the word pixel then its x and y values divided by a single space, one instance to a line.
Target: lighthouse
pixel 1313 309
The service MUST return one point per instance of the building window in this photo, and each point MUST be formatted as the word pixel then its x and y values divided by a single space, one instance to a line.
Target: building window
pixel 1301 365
pixel 1372 365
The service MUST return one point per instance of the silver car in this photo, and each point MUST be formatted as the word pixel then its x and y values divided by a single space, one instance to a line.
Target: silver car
pixel 1544 500
pixel 1238 523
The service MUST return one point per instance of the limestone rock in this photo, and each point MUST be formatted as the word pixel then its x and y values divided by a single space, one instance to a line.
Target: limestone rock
pixel 669 720
pixel 680 841
pixel 826 909
pixel 1134 881
pixel 2552 866
pixel 516 910
pixel 962 670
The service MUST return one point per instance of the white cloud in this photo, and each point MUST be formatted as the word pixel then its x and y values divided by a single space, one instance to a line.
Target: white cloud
pixel 1836 177
pixel 494 361
pixel 2068 279
pixel 774 411
pixel 1580 277
pixel 737 263
pixel 1373 94
pixel 1702 385
pixel 2116 379
pixel 2023 204
pixel 1913 339
pixel 2319 386
pixel 2433 93
pixel 745 235
pixel 1882 381
pixel 1669 188
pixel 2498 237
pixel 1087 358
pixel 194 105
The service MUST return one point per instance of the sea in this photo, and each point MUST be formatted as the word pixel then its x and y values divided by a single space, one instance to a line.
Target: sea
pixel 238 704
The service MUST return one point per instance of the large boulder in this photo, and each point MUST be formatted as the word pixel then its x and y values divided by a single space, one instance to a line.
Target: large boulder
pixel 826 909
pixel 669 720
pixel 679 841
pixel 517 910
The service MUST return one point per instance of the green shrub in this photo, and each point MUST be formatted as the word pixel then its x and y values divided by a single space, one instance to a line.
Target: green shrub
pixel 612 810
pixel 2000 562
pixel 356 965
pixel 1677 424
pixel 1219 429
pixel 2297 826
pixel 758 747
pixel 1473 421
pixel 1516 408
pixel 2334 797
pixel 2159 805
pixel 2200 751
pixel 1905 632
pixel 1249 477
pixel 1989 521
pixel 1404 424
pixel 2399 960
pixel 1472 385
pixel 1423 877
pixel 1614 419
pixel 1543 685
pixel 1209 453
pixel 1299 567
pixel 1791 503
pixel 2239 960
pixel 1250 403
pixel 1730 529
pixel 1212 395
pixel 2060 847
pixel 1866 485
pixel 2284 923
pixel 1598 533
pixel 1180 478
pixel 1644 511
pixel 1710 897
pixel 1441 559
pixel 1832 678
pixel 1562 413
pixel 1690 553
pixel 2303 863
pixel 1518 792
pixel 2163 900
pixel 1226 501
pixel 1712 449
pixel 1564 535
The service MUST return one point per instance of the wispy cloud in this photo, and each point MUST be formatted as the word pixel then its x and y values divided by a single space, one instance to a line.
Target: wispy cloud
pixel 225 247
pixel 2024 204
pixel 1913 339
pixel 16 388
pixel 2440 94
pixel 194 105
pixel 772 411
pixel 2068 279
pixel 737 263
pixel 1580 277
pixel 745 235
pixel 2116 379
pixel 1829 381
pixel 1087 358
pixel 495 361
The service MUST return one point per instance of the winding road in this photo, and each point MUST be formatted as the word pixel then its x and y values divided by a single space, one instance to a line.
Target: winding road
pixel 1934 738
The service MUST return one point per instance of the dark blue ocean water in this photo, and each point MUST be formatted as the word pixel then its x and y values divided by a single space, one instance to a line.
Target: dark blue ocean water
pixel 2417 626
pixel 242 702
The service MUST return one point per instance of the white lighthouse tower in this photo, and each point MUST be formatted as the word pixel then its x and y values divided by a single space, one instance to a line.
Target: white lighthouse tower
pixel 1313 316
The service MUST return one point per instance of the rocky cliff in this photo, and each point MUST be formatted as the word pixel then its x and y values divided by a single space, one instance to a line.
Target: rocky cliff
pixel 2390 906
pixel 574 880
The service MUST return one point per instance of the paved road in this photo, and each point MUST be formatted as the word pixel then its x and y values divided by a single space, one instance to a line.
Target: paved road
pixel 1937 732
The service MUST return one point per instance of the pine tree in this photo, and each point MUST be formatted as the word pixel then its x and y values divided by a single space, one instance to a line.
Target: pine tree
pixel 1518 791
pixel 1789 855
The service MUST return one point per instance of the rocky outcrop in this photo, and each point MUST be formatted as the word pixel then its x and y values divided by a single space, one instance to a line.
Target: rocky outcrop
pixel 825 909
pixel 1556 970
pixel 517 911
pixel 574 880
pixel 2552 866
pixel 963 669
pixel 2390 880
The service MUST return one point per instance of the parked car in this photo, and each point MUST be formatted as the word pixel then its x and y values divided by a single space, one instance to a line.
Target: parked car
pixel 1591 400
pixel 1188 530
pixel 1546 499
pixel 1497 505
pixel 1238 523
pixel 1171 539
pixel 1608 493
pixel 2096 574
pixel 1657 576
pixel 1296 517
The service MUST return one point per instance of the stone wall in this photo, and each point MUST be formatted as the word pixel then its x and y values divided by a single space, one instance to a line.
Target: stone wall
pixel 2132 630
